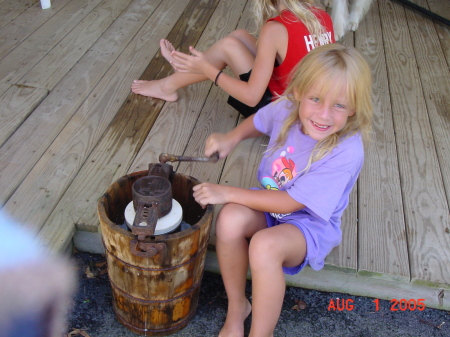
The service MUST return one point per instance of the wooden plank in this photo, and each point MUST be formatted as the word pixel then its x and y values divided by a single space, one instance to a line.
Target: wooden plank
pixel 435 79
pixel 10 9
pixel 122 140
pixel 12 34
pixel 16 104
pixel 425 205
pixel 245 176
pixel 63 56
pixel 345 256
pixel 37 45
pixel 442 8
pixel 53 173
pixel 247 158
pixel 4 87
pixel 382 250
pixel 216 116
pixel 242 163
pixel 172 130
pixel 229 116
pixel 55 111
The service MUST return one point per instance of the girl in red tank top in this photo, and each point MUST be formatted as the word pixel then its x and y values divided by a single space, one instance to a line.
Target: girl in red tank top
pixel 261 66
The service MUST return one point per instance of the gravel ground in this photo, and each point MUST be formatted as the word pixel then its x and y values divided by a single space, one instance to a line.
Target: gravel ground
pixel 93 314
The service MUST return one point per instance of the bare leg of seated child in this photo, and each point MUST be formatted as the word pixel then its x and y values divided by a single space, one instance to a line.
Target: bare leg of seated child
pixel 236 315
pixel 154 89
pixel 234 226
pixel 158 88
pixel 235 50
pixel 166 88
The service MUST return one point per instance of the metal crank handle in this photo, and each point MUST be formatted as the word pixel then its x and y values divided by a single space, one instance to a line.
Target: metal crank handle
pixel 165 157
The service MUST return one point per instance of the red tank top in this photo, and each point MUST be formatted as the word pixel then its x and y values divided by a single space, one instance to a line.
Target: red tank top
pixel 300 43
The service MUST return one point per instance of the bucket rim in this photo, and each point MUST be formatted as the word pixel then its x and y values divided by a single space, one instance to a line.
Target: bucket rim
pixel 101 210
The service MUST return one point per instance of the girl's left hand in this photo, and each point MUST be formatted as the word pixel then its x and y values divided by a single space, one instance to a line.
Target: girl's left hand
pixel 210 194
pixel 185 63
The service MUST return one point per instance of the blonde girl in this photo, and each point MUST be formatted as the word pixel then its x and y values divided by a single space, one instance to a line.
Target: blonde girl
pixel 316 151
pixel 291 29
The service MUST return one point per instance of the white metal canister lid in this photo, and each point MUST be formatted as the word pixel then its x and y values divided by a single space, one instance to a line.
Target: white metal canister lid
pixel 164 225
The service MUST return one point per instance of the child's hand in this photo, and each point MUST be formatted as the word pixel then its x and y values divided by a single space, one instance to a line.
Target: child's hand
pixel 218 142
pixel 210 194
pixel 185 63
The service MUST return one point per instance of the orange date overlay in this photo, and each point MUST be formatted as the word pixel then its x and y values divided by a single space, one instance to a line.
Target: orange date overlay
pixel 342 304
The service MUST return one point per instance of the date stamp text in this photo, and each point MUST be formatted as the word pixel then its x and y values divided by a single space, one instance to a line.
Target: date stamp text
pixel 342 304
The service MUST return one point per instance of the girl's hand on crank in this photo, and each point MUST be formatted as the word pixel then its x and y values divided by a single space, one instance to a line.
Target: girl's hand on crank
pixel 185 63
pixel 210 194
pixel 219 142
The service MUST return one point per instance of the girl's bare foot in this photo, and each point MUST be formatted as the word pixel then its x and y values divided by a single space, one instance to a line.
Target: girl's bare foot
pixel 234 323
pixel 153 89
pixel 166 50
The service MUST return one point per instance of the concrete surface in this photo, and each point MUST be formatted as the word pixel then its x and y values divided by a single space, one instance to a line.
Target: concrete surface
pixel 94 317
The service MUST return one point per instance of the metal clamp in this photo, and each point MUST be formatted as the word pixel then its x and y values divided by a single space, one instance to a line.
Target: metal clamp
pixel 146 249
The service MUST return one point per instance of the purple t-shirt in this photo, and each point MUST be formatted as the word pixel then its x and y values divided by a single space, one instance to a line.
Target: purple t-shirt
pixel 324 189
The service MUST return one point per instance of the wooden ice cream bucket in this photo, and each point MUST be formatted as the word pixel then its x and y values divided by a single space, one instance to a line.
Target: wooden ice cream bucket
pixel 156 289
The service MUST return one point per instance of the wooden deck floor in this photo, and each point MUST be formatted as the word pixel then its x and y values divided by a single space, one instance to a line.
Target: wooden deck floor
pixel 69 127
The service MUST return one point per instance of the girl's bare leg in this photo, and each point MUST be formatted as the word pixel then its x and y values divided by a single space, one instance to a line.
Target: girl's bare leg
pixel 237 50
pixel 234 225
pixel 270 249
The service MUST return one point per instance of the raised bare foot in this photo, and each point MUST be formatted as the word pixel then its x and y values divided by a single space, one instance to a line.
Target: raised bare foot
pixel 153 89
pixel 166 51
pixel 234 323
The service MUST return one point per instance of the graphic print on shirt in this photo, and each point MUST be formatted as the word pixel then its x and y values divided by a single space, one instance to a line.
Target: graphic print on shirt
pixel 282 171
pixel 313 41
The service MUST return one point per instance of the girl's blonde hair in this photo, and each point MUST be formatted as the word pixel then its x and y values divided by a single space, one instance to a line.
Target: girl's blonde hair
pixel 303 10
pixel 332 67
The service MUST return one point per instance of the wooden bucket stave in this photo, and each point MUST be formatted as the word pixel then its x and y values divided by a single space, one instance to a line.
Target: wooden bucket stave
pixel 158 295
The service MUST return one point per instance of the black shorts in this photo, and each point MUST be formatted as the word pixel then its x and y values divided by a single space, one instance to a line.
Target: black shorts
pixel 244 109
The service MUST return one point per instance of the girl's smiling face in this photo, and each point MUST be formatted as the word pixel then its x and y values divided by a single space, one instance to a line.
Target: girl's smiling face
pixel 322 114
